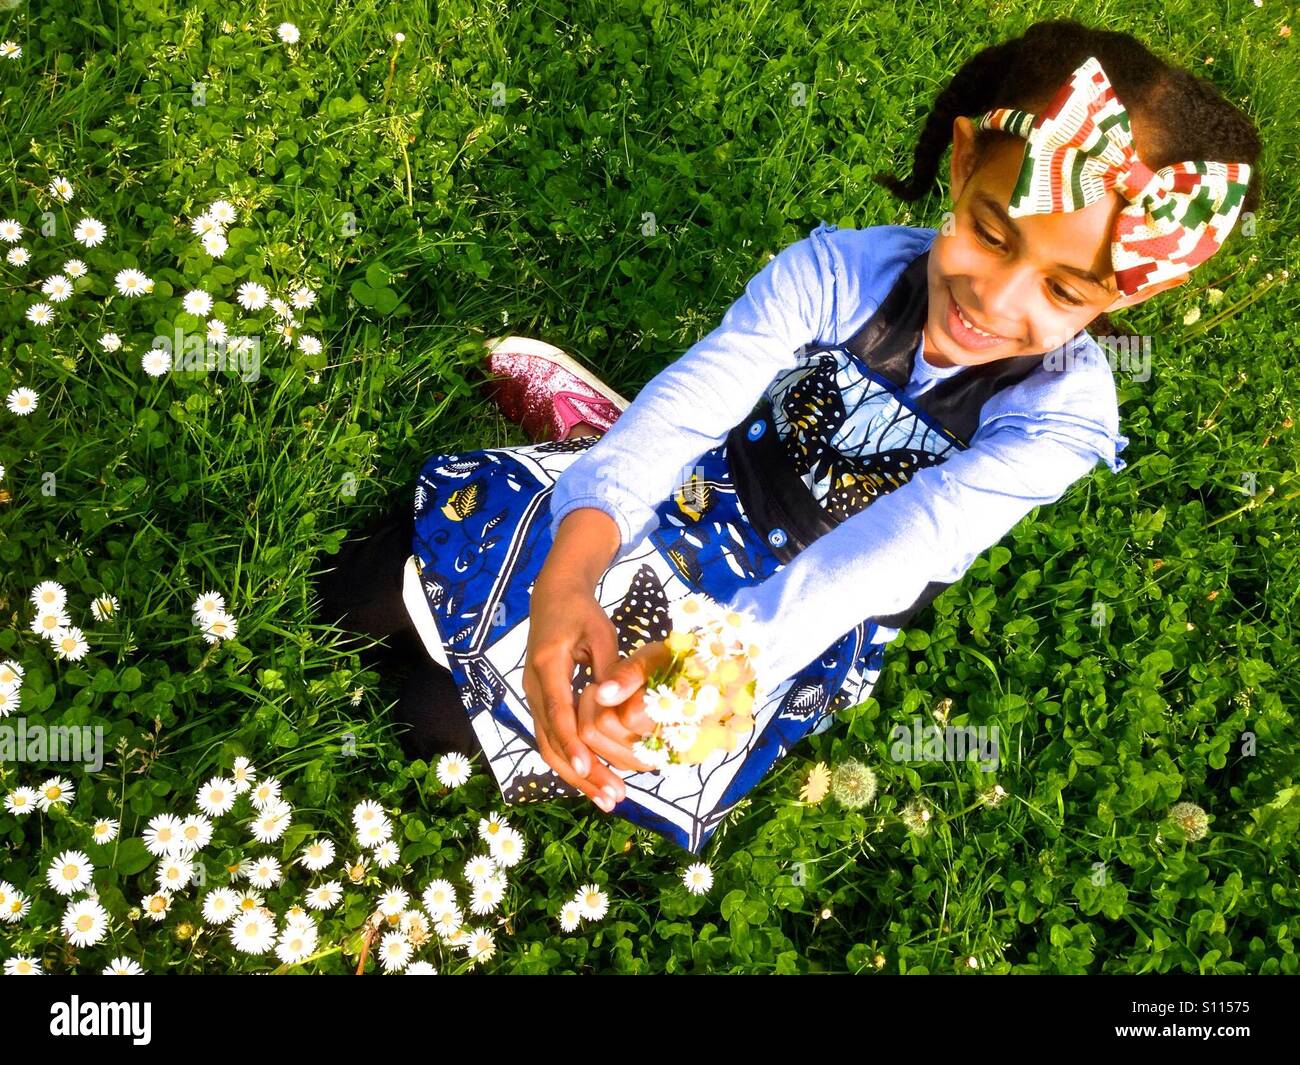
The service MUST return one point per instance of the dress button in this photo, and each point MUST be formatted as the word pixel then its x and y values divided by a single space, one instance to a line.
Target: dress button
pixel 776 538
pixel 756 430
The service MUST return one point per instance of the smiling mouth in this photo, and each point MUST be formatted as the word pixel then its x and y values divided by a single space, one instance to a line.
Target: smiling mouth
pixel 966 321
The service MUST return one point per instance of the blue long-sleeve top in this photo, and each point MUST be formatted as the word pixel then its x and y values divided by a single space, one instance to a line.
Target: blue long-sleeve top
pixel 1034 440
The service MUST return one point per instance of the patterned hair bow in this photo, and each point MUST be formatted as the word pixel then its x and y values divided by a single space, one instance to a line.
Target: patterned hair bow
pixel 1081 146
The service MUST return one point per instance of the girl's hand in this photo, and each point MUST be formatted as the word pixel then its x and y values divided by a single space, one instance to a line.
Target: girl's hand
pixel 611 710
pixel 567 625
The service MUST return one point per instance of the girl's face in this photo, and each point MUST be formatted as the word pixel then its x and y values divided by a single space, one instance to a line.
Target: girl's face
pixel 1032 282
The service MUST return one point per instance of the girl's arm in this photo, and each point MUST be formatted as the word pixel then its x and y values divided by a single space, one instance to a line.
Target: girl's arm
pixel 1035 440
pixel 689 407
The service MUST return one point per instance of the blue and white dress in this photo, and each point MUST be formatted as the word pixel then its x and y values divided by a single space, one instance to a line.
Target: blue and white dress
pixel 482 533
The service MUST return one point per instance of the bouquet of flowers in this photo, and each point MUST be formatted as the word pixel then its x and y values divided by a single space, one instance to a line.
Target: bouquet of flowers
pixel 703 700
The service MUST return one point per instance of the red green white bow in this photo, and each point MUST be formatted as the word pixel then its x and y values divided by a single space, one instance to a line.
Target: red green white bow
pixel 1081 147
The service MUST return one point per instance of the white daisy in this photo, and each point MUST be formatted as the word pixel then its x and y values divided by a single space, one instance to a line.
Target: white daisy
pixel 480 868
pixel 420 968
pixel 480 944
pixel 174 874
pixel 367 812
pixel 123 967
pixel 265 792
pixel 75 268
pixel 249 901
pixel 22 401
pixel 18 256
pixel 220 906
pixel 110 342
pixel 162 836
pixel 216 797
pixel 570 915
pixel 49 594
pixel 453 770
pixel 270 824
pixel 375 833
pixel 70 643
pixel 10 671
pixel 394 951
pixel 69 873
pixel 221 627
pixel 698 878
pixel 243 774
pixel 215 245
pixel 197 302
pixel 58 288
pixel 40 314
pixel 22 801
pixel 195 833
pixel 105 830
pixel 205 224
pixel 281 309
pixel 386 854
pixel 10 231
pixel 85 922
pixel 252 296
pixel 10 697
pixel 450 926
pixel 90 232
pixel 61 188
pixel 253 933
pixel 156 362
pixel 592 902
pixel 157 905
pixel 14 906
pixel 104 607
pixel 223 212
pixel 49 623
pixel 318 855
pixel 507 847
pixel 262 872
pixel 11 49
pixel 296 942
pixel 287 32
pixel 131 282
pixel 309 345
pixel 302 297
pixel 216 331
pixel 486 897
pixel 325 896
pixel 438 897
pixel 56 791
pixel 393 901
pixel 21 965
pixel 207 606
pixel 295 915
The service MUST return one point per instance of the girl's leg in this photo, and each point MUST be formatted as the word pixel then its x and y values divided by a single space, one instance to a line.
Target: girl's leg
pixel 362 593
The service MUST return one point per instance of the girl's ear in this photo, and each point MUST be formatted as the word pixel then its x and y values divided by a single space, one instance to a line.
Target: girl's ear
pixel 962 161
pixel 1141 297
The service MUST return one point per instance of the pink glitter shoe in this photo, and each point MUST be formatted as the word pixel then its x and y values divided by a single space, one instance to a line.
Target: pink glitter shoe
pixel 546 391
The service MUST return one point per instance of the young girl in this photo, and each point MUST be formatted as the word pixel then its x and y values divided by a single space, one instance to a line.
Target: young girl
pixel 878 408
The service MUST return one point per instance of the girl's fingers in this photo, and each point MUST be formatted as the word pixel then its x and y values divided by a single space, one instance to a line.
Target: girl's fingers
pixel 603 733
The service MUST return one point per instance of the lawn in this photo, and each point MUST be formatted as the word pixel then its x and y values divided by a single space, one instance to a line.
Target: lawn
pixel 410 179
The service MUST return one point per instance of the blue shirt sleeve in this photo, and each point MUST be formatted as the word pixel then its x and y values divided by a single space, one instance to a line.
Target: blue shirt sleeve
pixel 1035 439
pixel 691 405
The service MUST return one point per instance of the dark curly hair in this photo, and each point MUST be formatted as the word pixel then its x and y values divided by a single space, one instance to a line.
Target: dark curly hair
pixel 1181 116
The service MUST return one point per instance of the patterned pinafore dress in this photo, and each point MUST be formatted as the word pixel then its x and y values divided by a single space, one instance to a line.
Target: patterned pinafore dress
pixel 828 437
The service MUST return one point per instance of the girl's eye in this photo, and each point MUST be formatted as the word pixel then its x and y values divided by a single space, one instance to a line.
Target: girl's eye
pixel 1066 297
pixel 985 236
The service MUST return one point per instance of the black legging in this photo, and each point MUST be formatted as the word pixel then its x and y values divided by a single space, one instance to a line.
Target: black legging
pixel 362 593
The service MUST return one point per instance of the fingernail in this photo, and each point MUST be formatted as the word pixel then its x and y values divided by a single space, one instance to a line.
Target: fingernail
pixel 604 803
pixel 608 690
pixel 580 765
pixel 611 793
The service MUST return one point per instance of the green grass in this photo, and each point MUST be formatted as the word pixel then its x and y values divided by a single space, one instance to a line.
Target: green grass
pixel 473 219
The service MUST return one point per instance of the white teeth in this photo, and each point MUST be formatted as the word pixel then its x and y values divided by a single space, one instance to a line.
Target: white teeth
pixel 971 326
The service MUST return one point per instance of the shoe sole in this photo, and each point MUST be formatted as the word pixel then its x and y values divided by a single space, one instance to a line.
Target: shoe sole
pixel 529 346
